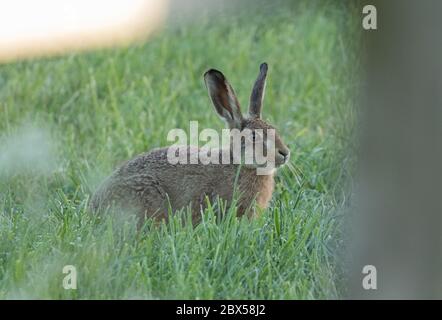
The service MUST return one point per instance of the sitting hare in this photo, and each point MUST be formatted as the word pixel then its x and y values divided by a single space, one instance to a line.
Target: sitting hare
pixel 149 184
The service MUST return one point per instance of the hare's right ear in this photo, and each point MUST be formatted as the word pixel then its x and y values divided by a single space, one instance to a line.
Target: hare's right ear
pixel 223 98
pixel 257 95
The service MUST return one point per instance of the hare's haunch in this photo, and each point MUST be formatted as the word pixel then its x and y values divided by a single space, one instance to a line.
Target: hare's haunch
pixel 149 184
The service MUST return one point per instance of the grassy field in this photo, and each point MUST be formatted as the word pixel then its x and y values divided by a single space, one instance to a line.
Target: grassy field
pixel 66 123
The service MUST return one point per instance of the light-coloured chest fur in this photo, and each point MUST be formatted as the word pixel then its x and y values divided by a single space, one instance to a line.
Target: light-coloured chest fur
pixel 255 187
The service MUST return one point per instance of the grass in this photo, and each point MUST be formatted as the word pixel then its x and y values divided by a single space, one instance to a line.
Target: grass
pixel 67 122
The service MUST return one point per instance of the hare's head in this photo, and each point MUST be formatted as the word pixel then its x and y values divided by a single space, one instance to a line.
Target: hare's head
pixel 253 129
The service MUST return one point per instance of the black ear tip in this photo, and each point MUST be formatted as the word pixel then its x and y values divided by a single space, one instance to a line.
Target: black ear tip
pixel 213 72
pixel 263 67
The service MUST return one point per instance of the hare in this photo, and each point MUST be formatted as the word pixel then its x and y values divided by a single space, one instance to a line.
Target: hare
pixel 150 185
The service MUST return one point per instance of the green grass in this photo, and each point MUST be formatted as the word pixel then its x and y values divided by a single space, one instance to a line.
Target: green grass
pixel 79 116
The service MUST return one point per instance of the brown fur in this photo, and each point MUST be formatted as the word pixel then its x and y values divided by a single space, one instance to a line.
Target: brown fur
pixel 149 184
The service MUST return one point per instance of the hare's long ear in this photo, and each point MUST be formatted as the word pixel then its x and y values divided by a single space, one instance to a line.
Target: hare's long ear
pixel 257 95
pixel 223 98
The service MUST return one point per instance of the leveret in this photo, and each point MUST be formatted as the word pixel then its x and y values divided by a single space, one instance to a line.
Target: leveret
pixel 149 184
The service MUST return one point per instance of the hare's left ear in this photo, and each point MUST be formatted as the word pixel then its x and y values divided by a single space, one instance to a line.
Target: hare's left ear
pixel 223 98
pixel 257 96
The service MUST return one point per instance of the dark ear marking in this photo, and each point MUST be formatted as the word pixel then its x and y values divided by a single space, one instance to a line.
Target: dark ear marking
pixel 257 96
pixel 223 98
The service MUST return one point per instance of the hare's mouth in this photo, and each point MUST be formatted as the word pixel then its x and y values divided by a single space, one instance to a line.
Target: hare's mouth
pixel 281 159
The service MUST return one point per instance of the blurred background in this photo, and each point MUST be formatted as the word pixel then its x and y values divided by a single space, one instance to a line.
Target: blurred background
pixel 397 221
pixel 69 116
pixel 85 85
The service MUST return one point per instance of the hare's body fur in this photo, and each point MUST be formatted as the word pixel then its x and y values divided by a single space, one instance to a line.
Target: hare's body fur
pixel 149 184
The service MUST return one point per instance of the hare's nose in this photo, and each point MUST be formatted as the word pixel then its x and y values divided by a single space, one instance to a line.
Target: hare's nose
pixel 284 153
